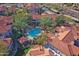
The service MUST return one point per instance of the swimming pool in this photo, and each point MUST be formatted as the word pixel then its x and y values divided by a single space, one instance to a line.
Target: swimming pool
pixel 34 33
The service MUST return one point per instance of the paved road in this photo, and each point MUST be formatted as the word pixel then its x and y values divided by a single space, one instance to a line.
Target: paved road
pixel 69 12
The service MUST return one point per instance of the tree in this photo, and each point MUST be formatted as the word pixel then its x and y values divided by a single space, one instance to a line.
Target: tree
pixel 59 20
pixel 56 6
pixel 20 19
pixel 16 33
pixel 40 11
pixel 69 20
pixel 41 39
pixel 69 4
pixel 45 21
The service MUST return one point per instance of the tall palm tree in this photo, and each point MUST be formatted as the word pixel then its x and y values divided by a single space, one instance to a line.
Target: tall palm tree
pixel 21 19
pixel 45 21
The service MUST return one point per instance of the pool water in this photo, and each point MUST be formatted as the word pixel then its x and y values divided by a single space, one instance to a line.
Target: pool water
pixel 34 32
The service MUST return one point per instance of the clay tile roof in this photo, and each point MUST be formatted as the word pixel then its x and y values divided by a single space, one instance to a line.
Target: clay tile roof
pixel 61 29
pixel 60 45
pixel 78 35
pixel 2 8
pixel 4 20
pixel 36 52
pixel 12 9
pixel 61 35
pixel 74 50
pixel 7 40
pixel 30 5
pixel 53 16
pixel 39 51
pixel 62 32
pixel 36 16
pixel 50 35
pixel 78 28
pixel 22 39
pixel 44 14
pixel 3 43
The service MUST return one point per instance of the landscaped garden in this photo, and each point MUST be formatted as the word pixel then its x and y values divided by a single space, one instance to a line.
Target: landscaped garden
pixel 26 31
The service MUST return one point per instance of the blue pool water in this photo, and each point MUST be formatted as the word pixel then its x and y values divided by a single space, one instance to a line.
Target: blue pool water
pixel 34 32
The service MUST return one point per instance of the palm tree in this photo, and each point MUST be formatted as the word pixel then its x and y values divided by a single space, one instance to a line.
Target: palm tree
pixel 41 39
pixel 45 21
pixel 59 20
pixel 21 19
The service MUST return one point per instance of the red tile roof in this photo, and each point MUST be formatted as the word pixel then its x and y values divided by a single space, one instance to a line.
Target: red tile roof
pixel 65 34
pixel 67 49
pixel 37 16
pixel 7 40
pixel 53 16
pixel 74 30
pixel 22 39
pixel 60 45
pixel 2 8
pixel 40 51
pixel 74 50
pixel 77 29
pixel 61 29
pixel 12 9
pixel 30 5
pixel 4 20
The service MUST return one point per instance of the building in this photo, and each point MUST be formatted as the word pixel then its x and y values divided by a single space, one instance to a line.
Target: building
pixel 22 39
pixel 30 5
pixel 38 50
pixel 12 9
pixel 77 29
pixel 2 9
pixel 53 15
pixel 3 48
pixel 74 50
pixel 65 34
pixel 63 41
pixel 37 16
pixel 58 44
pixel 7 41
pixel 5 25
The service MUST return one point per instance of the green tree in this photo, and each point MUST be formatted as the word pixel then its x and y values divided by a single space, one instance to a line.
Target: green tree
pixel 45 21
pixel 20 19
pixel 16 33
pixel 69 4
pixel 59 20
pixel 41 39
pixel 68 20
pixel 56 6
